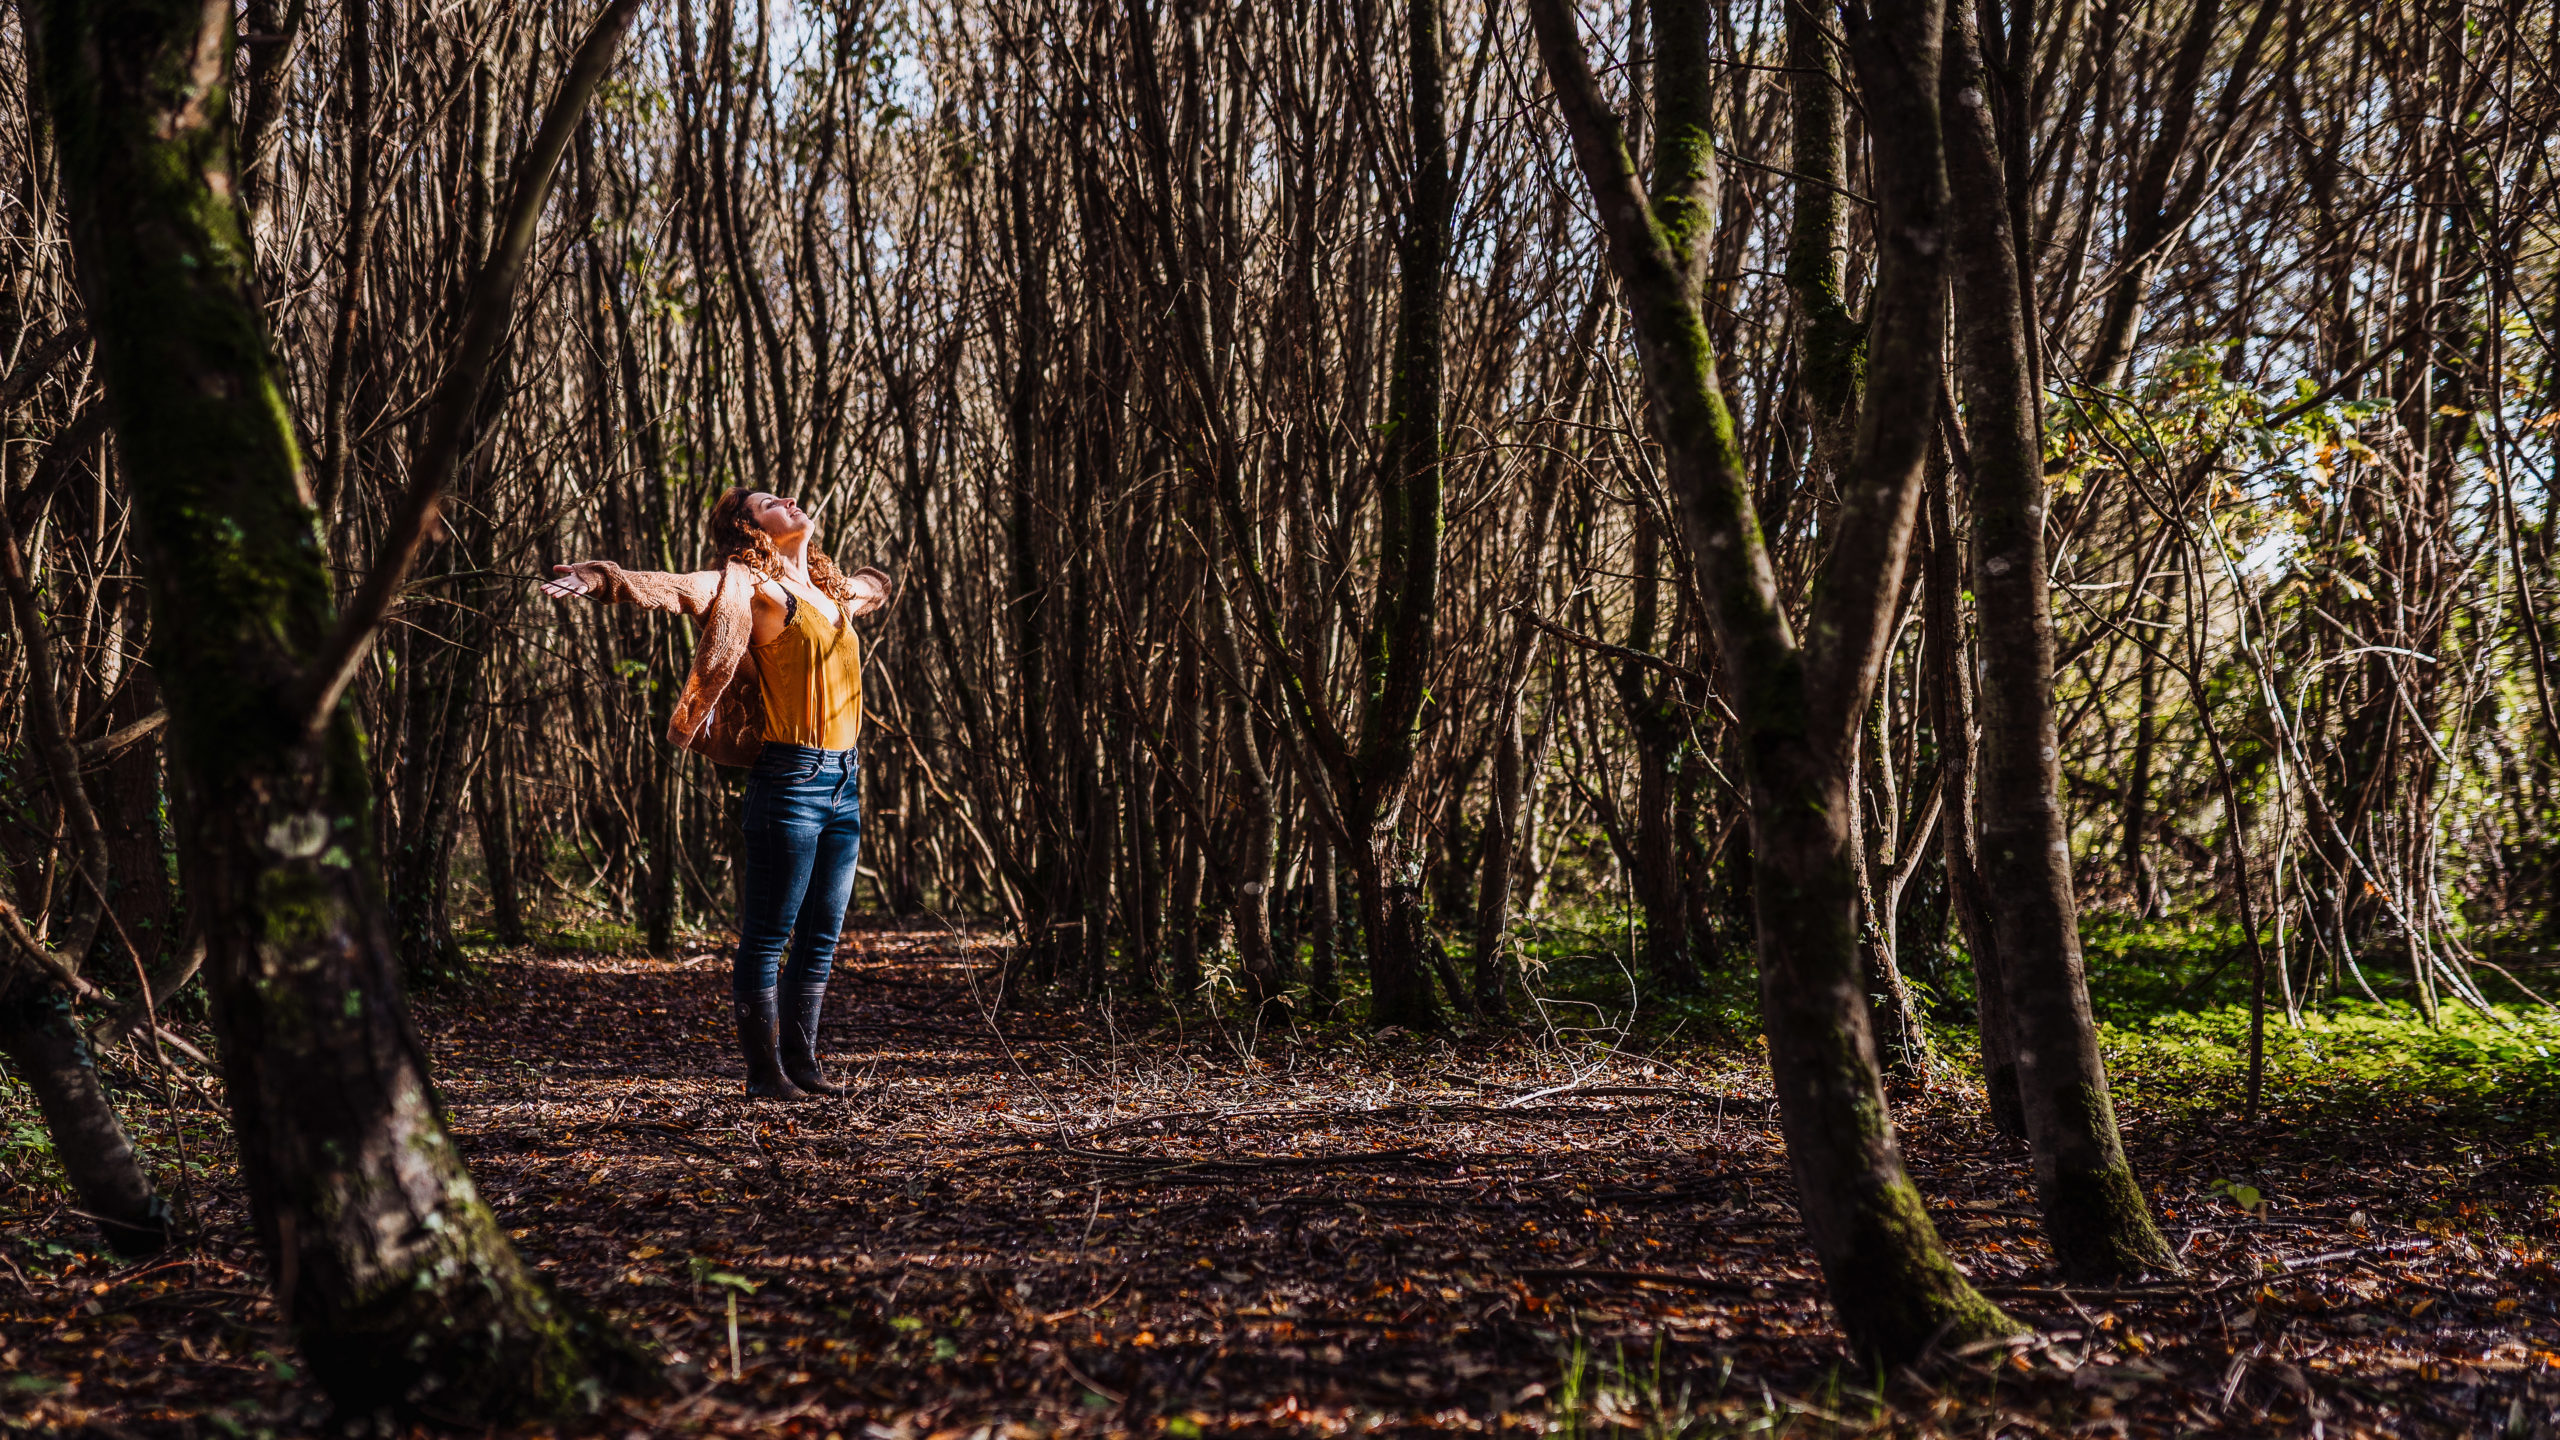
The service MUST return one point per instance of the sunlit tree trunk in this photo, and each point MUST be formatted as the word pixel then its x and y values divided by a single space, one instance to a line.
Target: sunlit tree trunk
pixel 2094 1211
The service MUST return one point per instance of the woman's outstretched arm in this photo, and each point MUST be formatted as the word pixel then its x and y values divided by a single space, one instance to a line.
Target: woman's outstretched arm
pixel 690 594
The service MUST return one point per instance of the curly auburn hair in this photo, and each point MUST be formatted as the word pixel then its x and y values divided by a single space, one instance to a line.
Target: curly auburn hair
pixel 735 535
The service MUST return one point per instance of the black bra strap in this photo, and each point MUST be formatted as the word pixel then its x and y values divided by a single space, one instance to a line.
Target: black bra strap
pixel 790 607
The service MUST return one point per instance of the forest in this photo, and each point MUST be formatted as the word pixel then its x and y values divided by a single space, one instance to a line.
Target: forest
pixel 1668 718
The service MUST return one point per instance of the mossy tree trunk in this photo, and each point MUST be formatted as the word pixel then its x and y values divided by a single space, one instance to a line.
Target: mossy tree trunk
pixel 1833 368
pixel 2094 1212
pixel 396 1279
pixel 1404 619
pixel 1360 780
pixel 1799 704
pixel 1832 371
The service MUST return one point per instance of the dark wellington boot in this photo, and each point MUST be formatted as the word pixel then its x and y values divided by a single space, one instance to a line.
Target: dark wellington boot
pixel 800 1040
pixel 757 1024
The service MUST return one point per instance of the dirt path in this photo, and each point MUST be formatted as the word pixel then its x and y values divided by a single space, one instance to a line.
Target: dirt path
pixel 1066 1220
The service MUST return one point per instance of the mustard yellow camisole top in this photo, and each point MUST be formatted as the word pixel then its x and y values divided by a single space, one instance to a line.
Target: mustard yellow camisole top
pixel 811 674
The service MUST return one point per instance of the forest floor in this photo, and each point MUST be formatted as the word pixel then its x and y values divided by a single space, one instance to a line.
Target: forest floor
pixel 1052 1219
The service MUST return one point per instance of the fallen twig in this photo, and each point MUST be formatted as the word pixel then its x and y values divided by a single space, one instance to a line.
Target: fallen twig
pixel 2404 1247
pixel 1087 1381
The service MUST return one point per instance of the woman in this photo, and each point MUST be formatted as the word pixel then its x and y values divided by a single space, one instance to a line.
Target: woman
pixel 792 711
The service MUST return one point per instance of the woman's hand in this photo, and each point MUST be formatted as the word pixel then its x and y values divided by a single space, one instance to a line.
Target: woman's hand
pixel 566 584
pixel 870 590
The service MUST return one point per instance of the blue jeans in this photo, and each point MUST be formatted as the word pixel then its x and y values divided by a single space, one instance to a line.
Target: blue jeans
pixel 803 824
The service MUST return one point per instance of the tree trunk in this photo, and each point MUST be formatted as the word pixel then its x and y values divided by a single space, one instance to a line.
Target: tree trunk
pixel 660 816
pixel 1143 871
pixel 1834 358
pixel 439 689
pixel 41 1038
pixel 1902 1043
pixel 661 807
pixel 1182 972
pixel 1951 677
pixel 1324 984
pixel 1091 839
pixel 1392 930
pixel 1266 974
pixel 1032 582
pixel 2094 1210
pixel 129 813
pixel 1500 863
pixel 1508 819
pixel 493 807
pixel 82 874
pixel 398 1283
pixel 337 441
pixel 1650 702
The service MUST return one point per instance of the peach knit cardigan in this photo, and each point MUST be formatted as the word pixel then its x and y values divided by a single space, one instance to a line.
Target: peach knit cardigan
pixel 721 712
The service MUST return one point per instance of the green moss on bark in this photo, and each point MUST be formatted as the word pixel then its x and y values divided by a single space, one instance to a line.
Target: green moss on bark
pixel 1900 1298
pixel 2096 1216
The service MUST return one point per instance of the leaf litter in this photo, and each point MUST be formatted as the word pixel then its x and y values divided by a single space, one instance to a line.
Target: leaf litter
pixel 1059 1219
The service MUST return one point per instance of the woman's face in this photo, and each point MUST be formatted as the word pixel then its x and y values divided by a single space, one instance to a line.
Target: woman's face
pixel 777 515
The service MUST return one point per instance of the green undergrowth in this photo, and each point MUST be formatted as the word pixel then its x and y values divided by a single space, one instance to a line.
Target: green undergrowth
pixel 580 935
pixel 2197 962
pixel 2352 1059
pixel 1584 970
pixel 2141 968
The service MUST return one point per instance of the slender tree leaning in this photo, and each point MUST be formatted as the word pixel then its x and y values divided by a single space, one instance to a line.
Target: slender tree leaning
pixel 400 1287
pixel 1800 702
pixel 2094 1210
pixel 48 1052
pixel 41 1038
